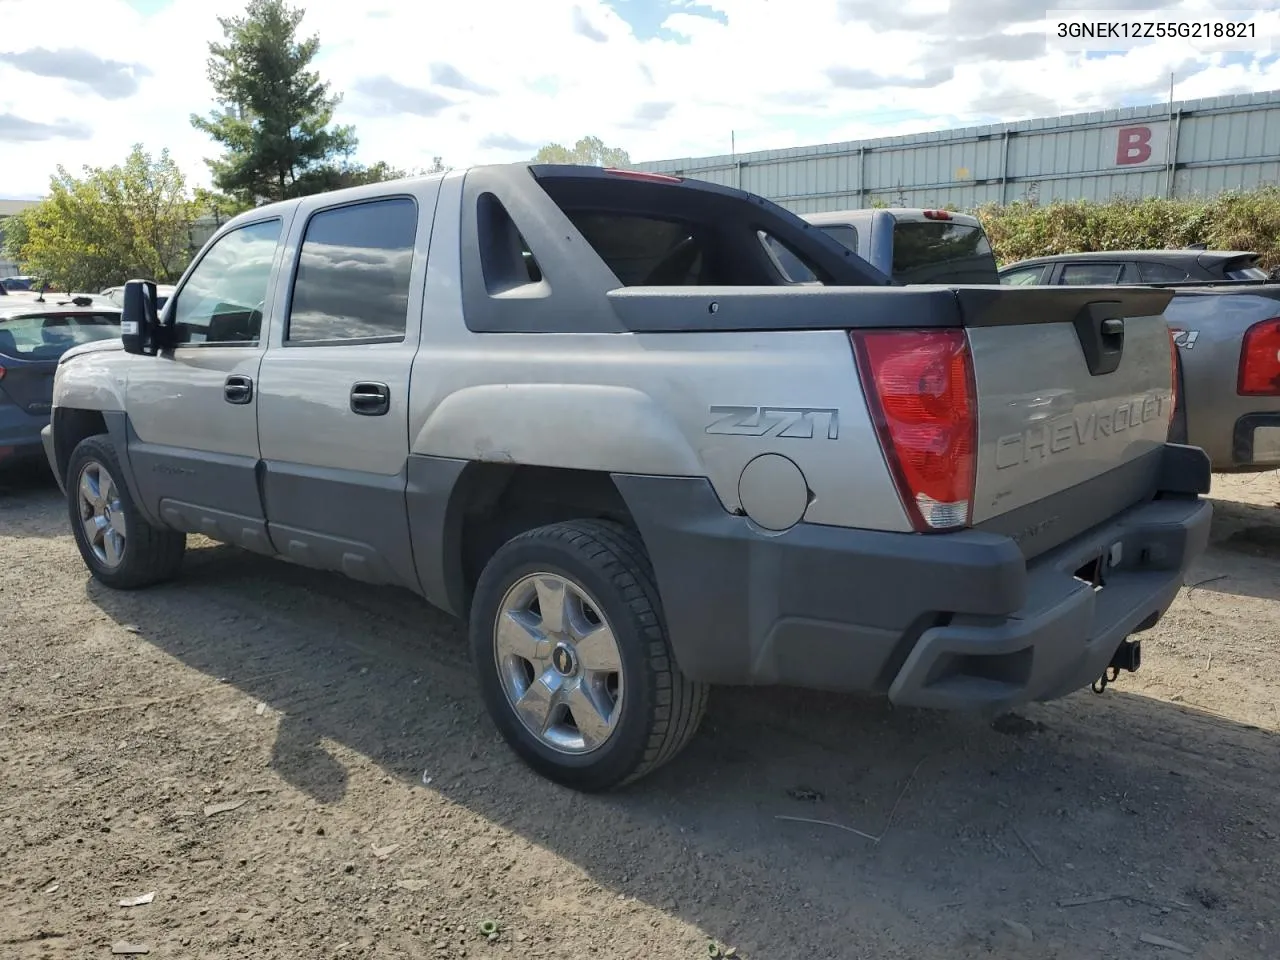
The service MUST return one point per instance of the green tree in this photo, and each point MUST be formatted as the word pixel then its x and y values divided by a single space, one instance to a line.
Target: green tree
pixel 589 151
pixel 107 226
pixel 276 116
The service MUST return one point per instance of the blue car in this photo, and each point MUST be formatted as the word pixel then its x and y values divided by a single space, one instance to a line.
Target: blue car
pixel 33 337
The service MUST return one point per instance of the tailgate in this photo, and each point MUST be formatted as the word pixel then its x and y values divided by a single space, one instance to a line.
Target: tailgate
pixel 1075 392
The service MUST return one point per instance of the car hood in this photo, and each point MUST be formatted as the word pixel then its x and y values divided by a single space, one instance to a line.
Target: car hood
pixel 97 346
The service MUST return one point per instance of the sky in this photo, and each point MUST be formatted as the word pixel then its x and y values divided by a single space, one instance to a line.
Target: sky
pixel 486 81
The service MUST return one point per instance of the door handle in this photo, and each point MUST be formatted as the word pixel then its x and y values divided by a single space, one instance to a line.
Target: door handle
pixel 238 389
pixel 370 399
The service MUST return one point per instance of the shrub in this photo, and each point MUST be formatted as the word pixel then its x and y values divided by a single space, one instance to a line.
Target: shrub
pixel 1237 220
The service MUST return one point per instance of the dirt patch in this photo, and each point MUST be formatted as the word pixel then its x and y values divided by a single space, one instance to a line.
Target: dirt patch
pixel 298 766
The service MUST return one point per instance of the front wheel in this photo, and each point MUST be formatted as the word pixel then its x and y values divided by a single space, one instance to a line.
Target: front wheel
pixel 573 659
pixel 119 546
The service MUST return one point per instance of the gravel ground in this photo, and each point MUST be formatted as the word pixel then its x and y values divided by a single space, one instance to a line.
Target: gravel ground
pixel 298 766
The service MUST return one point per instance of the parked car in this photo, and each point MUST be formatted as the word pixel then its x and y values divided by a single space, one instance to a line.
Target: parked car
pixel 1137 267
pixel 116 294
pixel 33 337
pixel 911 245
pixel 1225 317
pixel 586 409
pixel 19 283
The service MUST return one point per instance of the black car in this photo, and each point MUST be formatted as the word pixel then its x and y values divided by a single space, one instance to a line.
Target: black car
pixel 33 337
pixel 1108 267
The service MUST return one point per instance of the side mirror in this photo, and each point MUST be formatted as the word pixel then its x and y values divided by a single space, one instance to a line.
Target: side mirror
pixel 138 317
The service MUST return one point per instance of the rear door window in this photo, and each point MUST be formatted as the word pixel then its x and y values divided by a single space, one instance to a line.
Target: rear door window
pixel 1090 274
pixel 353 273
pixel 49 336
pixel 938 251
pixel 1161 273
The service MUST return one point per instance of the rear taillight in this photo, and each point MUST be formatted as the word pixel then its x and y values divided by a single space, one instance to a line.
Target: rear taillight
pixel 1173 372
pixel 919 384
pixel 937 214
pixel 1260 360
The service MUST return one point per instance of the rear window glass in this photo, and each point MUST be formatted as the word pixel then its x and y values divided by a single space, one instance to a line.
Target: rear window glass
pixel 1242 272
pixel 643 251
pixel 843 234
pixel 46 337
pixel 939 252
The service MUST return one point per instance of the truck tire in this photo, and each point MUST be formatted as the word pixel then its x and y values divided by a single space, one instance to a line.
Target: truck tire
pixel 585 691
pixel 120 548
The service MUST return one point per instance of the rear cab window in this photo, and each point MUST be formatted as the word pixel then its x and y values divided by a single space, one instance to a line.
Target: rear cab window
pixel 650 235
pixel 47 336
pixel 942 251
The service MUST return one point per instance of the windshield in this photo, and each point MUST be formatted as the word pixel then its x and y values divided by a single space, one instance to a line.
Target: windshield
pixel 934 251
pixel 48 336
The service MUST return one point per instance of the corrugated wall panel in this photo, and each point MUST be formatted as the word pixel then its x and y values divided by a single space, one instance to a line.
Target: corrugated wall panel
pixel 1221 143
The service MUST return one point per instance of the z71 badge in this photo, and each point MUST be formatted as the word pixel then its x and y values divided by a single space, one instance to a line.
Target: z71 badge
pixel 800 423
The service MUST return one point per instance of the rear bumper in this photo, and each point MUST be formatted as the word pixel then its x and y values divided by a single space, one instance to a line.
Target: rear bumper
pixel 1066 632
pixel 948 621
pixel 1256 440
pixel 19 432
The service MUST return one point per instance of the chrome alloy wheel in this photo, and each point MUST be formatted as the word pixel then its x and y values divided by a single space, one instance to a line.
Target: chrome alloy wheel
pixel 559 663
pixel 101 514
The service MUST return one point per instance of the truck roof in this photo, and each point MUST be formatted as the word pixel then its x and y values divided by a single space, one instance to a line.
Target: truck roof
pixel 898 213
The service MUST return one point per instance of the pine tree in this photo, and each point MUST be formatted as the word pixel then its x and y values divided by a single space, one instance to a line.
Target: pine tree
pixel 276 121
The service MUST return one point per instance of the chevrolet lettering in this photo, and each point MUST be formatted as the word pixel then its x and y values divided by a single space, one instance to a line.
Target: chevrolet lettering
pixel 1063 433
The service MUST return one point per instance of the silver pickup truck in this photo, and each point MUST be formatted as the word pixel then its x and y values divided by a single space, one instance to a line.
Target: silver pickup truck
pixel 585 409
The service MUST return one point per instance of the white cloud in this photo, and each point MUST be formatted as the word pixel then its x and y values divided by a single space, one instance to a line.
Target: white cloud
pixel 479 82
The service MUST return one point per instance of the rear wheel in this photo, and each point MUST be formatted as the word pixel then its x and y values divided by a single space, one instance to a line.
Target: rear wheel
pixel 118 545
pixel 573 659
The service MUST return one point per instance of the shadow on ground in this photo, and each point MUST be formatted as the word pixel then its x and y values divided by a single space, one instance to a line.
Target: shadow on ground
pixel 1244 555
pixel 1166 817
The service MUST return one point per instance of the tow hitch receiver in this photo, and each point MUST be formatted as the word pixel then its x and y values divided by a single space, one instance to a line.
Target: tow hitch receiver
pixel 1128 657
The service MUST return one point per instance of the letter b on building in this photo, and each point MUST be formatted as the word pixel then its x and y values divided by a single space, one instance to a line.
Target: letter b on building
pixel 1133 145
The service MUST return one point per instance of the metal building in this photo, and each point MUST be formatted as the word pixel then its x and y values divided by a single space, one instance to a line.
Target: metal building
pixel 1199 147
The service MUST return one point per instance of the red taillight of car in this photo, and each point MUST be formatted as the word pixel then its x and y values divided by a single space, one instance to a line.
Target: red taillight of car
pixel 1260 360
pixel 1173 372
pixel 937 214
pixel 920 386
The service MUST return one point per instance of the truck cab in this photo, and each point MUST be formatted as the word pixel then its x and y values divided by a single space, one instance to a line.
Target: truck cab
pixel 913 245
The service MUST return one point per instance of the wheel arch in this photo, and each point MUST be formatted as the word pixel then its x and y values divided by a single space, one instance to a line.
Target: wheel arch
pixel 462 511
